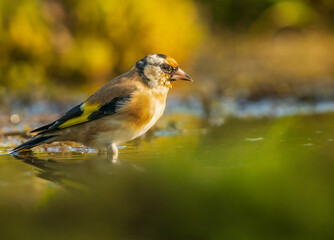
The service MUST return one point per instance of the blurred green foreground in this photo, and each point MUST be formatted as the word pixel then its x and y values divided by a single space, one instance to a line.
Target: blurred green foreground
pixel 248 179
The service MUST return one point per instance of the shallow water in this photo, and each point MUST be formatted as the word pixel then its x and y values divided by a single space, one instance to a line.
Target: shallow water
pixel 264 178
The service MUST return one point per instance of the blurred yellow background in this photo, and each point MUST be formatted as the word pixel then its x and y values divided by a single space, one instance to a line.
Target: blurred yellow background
pixel 249 49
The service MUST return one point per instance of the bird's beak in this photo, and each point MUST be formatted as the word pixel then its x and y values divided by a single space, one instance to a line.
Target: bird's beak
pixel 181 75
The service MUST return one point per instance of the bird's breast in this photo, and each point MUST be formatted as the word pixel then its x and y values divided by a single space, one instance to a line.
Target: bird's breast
pixel 145 110
pixel 133 119
pixel 159 109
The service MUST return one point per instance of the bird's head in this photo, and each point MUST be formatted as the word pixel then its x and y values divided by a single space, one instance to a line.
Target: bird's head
pixel 159 70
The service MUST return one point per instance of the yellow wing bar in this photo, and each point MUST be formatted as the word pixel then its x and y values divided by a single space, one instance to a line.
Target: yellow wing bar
pixel 87 110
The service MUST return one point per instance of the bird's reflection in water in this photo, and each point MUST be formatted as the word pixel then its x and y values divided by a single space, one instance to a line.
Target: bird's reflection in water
pixel 79 175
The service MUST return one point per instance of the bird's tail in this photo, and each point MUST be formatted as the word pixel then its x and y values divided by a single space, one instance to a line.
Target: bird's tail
pixel 33 143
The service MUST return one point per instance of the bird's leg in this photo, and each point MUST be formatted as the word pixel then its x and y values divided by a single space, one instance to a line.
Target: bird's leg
pixel 112 152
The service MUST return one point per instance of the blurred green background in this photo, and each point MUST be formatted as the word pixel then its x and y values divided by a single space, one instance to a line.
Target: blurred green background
pixel 244 152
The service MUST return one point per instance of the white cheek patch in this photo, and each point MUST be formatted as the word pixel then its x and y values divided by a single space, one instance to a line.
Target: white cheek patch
pixel 153 73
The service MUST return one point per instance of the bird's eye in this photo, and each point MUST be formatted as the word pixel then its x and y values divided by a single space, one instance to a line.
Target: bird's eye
pixel 166 68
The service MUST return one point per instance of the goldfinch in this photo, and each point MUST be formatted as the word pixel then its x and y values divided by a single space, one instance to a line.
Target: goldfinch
pixel 123 109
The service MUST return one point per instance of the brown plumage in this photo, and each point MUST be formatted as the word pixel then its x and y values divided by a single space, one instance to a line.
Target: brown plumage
pixel 123 109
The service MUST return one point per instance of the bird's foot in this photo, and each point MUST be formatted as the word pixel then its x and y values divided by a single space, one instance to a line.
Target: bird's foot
pixel 112 152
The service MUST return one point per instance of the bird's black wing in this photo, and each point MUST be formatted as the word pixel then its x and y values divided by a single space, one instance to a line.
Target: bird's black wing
pixel 84 112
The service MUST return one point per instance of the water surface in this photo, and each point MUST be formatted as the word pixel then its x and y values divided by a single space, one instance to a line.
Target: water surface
pixel 254 178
